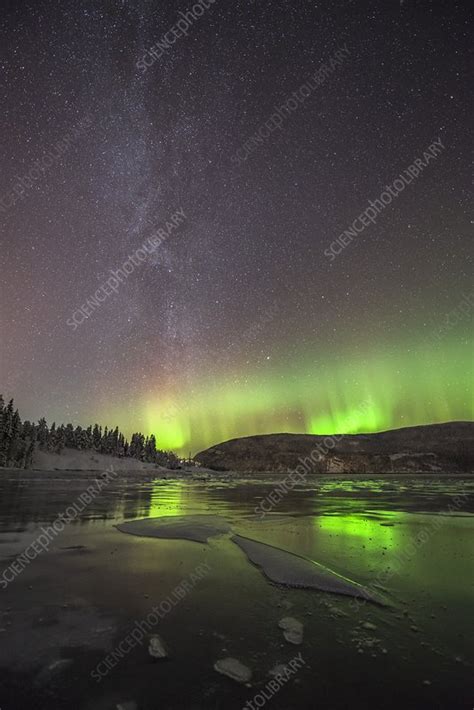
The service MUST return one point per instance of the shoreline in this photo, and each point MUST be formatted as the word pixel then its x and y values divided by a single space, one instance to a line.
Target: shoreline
pixel 206 475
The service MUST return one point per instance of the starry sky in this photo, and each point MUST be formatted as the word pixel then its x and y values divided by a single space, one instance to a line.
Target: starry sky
pixel 237 323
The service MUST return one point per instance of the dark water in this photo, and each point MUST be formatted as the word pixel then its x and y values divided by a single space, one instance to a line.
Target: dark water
pixel 73 604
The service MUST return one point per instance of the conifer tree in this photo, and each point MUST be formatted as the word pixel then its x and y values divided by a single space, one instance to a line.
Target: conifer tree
pixel 18 440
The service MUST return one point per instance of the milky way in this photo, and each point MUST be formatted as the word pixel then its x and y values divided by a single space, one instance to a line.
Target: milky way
pixel 237 322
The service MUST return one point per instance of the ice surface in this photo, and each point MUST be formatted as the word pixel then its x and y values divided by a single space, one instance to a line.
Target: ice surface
pixel 295 571
pixel 278 565
pixel 198 528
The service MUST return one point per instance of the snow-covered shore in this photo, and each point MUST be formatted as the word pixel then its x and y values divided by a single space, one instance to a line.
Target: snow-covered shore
pixel 75 460
pixel 91 462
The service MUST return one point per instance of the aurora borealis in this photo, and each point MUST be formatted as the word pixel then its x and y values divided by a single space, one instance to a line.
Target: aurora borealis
pixel 401 389
pixel 237 324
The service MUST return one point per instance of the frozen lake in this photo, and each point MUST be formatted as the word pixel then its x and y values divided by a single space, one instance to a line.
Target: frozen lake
pixel 70 606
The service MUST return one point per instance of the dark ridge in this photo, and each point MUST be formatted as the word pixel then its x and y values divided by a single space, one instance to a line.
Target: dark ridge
pixel 431 448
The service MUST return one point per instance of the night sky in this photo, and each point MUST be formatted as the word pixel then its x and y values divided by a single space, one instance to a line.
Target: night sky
pixel 237 322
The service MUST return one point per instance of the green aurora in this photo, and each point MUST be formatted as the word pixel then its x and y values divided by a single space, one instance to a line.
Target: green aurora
pixel 387 390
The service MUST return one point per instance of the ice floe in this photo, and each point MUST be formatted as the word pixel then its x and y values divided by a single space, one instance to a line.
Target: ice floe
pixel 198 528
pixel 295 571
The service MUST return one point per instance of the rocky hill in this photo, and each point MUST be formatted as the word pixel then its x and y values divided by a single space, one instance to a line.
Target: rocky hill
pixel 435 447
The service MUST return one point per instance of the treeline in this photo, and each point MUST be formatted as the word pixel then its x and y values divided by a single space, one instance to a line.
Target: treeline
pixel 19 440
